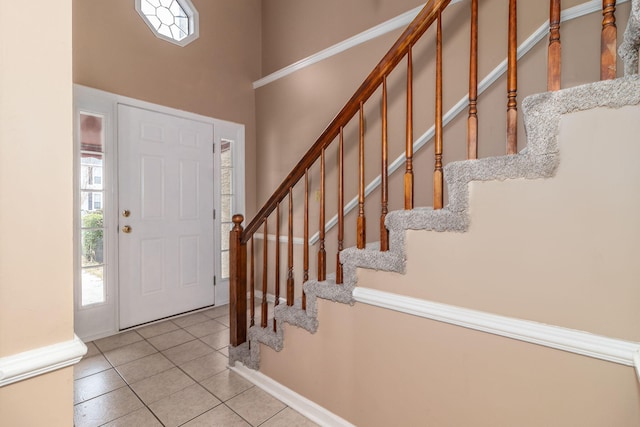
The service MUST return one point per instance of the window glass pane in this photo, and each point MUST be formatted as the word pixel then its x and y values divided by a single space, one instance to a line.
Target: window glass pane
pixel 165 16
pixel 91 133
pixel 225 155
pixel 165 31
pixel 91 202
pixel 178 33
pixel 93 290
pixel 226 208
pixel 147 8
pixel 183 23
pixel 226 184
pixel 155 21
pixel 176 10
pixel 91 171
pixel 225 229
pixel 91 177
pixel 97 201
pixel 226 201
pixel 92 247
pixel 225 265
pixel 173 19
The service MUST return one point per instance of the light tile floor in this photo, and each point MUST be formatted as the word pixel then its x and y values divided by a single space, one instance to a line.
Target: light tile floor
pixel 172 373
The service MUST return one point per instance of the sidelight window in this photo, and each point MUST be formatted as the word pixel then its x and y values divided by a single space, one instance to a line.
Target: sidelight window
pixel 92 254
pixel 227 196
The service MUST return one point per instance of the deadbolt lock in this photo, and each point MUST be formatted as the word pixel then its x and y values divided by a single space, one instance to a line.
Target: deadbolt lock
pixel 126 213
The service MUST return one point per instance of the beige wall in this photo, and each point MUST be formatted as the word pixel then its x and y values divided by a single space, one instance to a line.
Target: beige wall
pixel 294 29
pixel 36 210
pixel 537 249
pixel 293 111
pixel 115 51
pixel 46 400
pixel 563 258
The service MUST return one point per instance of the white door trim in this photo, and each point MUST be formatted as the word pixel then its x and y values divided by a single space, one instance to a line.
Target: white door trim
pixel 106 103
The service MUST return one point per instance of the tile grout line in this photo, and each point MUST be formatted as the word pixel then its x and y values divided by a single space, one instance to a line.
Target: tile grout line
pixel 144 404
pixel 173 365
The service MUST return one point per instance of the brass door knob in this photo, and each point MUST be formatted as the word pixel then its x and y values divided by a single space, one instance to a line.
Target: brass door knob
pixel 126 229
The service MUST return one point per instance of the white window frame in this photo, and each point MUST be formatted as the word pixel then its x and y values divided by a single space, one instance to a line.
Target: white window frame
pixel 194 23
pixel 101 318
pixel 227 133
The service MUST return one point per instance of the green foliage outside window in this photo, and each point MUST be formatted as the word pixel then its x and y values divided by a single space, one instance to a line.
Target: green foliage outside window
pixel 92 246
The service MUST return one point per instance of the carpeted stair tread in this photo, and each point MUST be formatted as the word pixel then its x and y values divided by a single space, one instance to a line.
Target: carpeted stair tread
pixel 540 159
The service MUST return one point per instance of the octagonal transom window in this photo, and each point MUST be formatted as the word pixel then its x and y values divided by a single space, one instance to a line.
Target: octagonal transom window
pixel 175 21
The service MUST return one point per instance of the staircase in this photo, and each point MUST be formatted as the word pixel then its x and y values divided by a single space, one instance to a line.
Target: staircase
pixel 543 114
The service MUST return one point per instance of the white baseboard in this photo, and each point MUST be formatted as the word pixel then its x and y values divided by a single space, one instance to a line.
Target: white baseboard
pixel 270 297
pixel 571 340
pixel 372 33
pixel 28 364
pixel 392 24
pixel 306 407
pixel 283 239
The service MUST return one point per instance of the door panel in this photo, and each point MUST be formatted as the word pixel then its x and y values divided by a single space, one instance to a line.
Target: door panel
pixel 166 182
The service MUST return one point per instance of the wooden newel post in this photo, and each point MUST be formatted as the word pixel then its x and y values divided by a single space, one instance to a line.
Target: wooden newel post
pixel 237 284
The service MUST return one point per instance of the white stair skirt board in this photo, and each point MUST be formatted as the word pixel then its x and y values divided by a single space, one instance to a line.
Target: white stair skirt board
pixel 283 239
pixel 571 340
pixel 270 297
pixel 28 364
pixel 306 407
pixel 392 24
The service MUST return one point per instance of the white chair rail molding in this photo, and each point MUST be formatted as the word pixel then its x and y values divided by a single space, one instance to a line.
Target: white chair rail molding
pixel 28 364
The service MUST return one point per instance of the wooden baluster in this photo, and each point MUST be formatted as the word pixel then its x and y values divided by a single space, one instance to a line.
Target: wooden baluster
pixel 277 268
pixel 361 238
pixel 290 283
pixel 339 278
pixel 512 81
pixel 608 43
pixel 472 121
pixel 384 190
pixel 322 253
pixel 253 285
pixel 264 307
pixel 408 174
pixel 237 284
pixel 438 183
pixel 305 266
pixel 555 47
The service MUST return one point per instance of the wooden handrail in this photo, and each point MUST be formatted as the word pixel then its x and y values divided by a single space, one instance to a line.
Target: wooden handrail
pixel 403 48
pixel 407 39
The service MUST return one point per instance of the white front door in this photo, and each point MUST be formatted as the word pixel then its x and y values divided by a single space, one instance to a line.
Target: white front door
pixel 166 225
